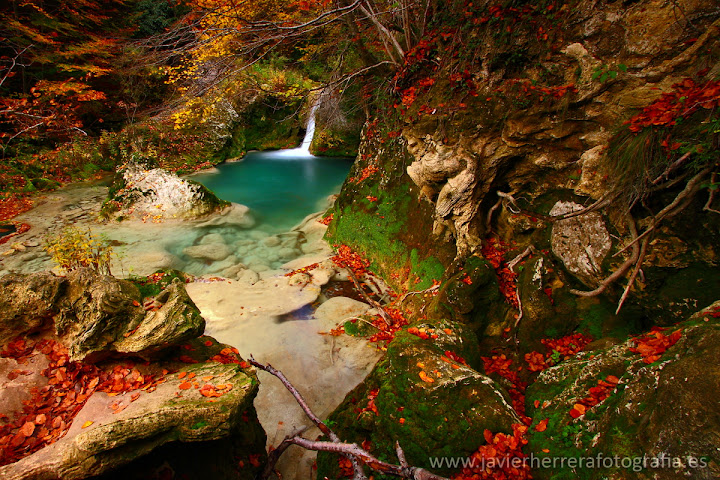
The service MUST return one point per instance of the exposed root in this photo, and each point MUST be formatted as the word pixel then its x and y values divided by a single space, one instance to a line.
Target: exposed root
pixel 372 302
pixel 434 288
pixel 711 196
pixel 681 201
pixel 636 270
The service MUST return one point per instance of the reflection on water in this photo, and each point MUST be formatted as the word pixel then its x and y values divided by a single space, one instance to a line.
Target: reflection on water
pixel 280 187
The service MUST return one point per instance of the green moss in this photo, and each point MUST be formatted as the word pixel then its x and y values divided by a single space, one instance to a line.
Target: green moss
pixel 427 270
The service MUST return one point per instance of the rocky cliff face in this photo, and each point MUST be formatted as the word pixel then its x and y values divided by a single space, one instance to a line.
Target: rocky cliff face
pixel 538 130
pixel 555 177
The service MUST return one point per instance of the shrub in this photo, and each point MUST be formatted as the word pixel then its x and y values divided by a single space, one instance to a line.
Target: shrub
pixel 74 248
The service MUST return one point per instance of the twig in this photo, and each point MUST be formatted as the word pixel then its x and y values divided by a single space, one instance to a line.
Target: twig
pixel 621 270
pixel 352 451
pixel 372 302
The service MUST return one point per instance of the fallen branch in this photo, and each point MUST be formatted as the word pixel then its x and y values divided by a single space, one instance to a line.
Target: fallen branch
pixel 352 451
pixel 359 474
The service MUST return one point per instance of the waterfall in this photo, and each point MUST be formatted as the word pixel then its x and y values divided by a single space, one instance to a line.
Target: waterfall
pixel 310 131
pixel 304 149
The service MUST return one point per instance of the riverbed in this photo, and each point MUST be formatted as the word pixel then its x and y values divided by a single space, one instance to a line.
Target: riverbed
pixel 260 313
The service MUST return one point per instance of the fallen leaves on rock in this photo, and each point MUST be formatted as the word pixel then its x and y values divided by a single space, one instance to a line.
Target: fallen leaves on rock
pixel 50 411
pixel 654 344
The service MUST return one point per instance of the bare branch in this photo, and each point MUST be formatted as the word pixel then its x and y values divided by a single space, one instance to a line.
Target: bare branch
pixel 358 456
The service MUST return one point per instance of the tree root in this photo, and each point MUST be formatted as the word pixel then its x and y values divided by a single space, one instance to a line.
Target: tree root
pixel 711 196
pixel 351 451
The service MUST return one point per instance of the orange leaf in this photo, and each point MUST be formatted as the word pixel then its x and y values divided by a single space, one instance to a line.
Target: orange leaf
pixel 28 429
pixel 542 426
pixel 87 424
pixel 185 386
pixel 182 374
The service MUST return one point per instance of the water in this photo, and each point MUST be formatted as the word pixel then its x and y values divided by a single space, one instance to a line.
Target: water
pixel 279 187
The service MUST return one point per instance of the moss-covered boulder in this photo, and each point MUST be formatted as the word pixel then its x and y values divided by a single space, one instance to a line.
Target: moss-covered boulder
pixel 655 410
pixel 423 397
pixel 142 191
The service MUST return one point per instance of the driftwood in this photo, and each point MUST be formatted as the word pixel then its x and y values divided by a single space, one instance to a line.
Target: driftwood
pixel 357 455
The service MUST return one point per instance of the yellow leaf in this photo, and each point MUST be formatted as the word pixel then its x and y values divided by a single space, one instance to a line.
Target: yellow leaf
pixel 87 424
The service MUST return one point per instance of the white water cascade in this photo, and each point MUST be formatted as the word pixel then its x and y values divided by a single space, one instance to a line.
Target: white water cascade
pixel 304 149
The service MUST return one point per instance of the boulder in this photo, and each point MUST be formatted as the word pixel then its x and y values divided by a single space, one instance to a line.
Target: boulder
pixel 96 315
pixel 664 406
pixel 339 309
pixel 581 242
pixel 443 415
pixel 177 320
pixel 26 302
pixel 153 192
pixel 110 431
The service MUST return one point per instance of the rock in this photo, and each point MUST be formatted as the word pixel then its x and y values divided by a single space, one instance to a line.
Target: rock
pixel 211 238
pixel 177 321
pixel 665 408
pixel 229 262
pixel 154 261
pixel 455 396
pixel 233 271
pixel 323 272
pixel 258 235
pixel 100 314
pixel 143 192
pixel 214 252
pixel 340 309
pixel 592 182
pixel 234 215
pixel 300 279
pixel 248 277
pixel 273 241
pixel 582 242
pixel 27 302
pixel 103 438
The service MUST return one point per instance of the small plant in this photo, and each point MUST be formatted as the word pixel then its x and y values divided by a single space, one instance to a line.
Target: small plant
pixel 74 248
pixel 604 72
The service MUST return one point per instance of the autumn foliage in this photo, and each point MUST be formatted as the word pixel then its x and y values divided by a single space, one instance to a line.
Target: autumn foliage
pixel 49 413
pixel 686 98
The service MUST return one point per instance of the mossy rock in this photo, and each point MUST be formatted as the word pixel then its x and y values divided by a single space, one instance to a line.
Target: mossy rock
pixel 668 408
pixel 442 412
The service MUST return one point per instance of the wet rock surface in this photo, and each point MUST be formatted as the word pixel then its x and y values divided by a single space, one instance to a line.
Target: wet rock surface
pixel 110 412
